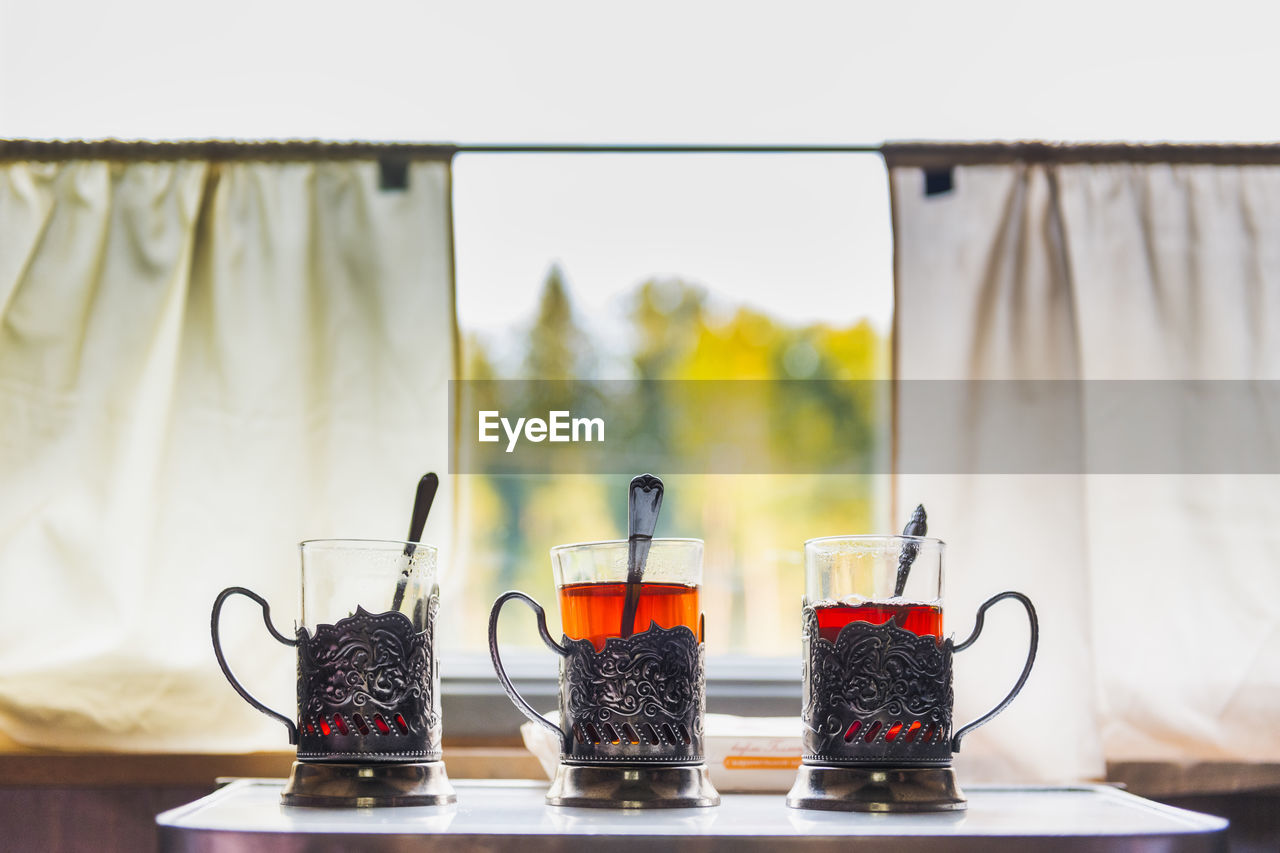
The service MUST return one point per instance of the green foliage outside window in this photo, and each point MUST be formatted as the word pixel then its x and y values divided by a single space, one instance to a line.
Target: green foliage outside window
pixel 754 526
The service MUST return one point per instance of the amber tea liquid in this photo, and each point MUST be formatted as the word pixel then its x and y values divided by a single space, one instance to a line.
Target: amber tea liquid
pixel 593 611
pixel 920 619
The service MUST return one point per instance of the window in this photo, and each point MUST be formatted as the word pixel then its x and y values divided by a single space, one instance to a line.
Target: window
pixel 668 266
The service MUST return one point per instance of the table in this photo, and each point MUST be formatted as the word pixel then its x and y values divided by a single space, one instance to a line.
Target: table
pixel 246 815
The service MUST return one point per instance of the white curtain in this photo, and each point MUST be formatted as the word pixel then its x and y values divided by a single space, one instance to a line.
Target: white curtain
pixel 200 365
pixel 1159 595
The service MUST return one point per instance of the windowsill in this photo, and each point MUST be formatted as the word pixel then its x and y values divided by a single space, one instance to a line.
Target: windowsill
pixel 33 768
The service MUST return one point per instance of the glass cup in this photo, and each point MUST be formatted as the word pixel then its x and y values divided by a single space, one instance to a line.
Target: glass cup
pixel 632 688
pixel 368 682
pixel 855 579
pixel 877 682
pixel 591 584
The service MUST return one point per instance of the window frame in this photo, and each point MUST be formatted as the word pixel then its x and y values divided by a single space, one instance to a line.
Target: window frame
pixel 475 705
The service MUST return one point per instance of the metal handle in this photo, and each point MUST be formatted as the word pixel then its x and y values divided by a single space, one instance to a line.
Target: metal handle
pixel 516 699
pixel 1026 669
pixel 222 661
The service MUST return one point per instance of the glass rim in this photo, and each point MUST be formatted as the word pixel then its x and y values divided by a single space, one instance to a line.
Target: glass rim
pixel 364 544
pixel 575 546
pixel 876 537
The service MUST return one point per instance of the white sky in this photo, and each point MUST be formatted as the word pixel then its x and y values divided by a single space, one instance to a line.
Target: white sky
pixel 658 71
pixel 723 71
pixel 804 237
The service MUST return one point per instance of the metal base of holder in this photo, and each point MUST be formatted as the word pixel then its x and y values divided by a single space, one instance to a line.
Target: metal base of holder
pixel 622 786
pixel 367 785
pixel 876 789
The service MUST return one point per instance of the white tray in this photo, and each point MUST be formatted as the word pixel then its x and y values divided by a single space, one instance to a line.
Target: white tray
pixel 246 815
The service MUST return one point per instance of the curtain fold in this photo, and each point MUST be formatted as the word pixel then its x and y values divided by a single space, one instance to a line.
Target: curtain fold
pixel 200 365
pixel 1159 594
pixel 1178 277
pixel 982 294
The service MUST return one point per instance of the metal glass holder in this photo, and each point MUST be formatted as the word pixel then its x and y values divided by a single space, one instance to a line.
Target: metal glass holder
pixel 877 717
pixel 369 725
pixel 633 714
pixel 616 786
pixel 368 785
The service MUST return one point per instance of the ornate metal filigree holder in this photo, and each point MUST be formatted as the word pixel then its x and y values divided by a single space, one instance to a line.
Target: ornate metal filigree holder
pixel 632 714
pixel 368 728
pixel 877 717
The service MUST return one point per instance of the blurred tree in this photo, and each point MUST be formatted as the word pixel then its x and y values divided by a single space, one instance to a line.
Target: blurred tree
pixel 667 315
pixel 559 360
pixel 753 525
pixel 557 347
pixel 502 548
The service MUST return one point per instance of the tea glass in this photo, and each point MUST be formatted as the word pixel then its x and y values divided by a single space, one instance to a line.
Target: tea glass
pixel 368 723
pixel 632 685
pixel 877 688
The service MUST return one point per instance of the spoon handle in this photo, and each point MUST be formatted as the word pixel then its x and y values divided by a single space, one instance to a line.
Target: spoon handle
pixel 644 502
pixel 917 526
pixel 422 501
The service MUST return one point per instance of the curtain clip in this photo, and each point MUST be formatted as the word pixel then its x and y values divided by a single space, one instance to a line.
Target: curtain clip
pixel 393 174
pixel 939 180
